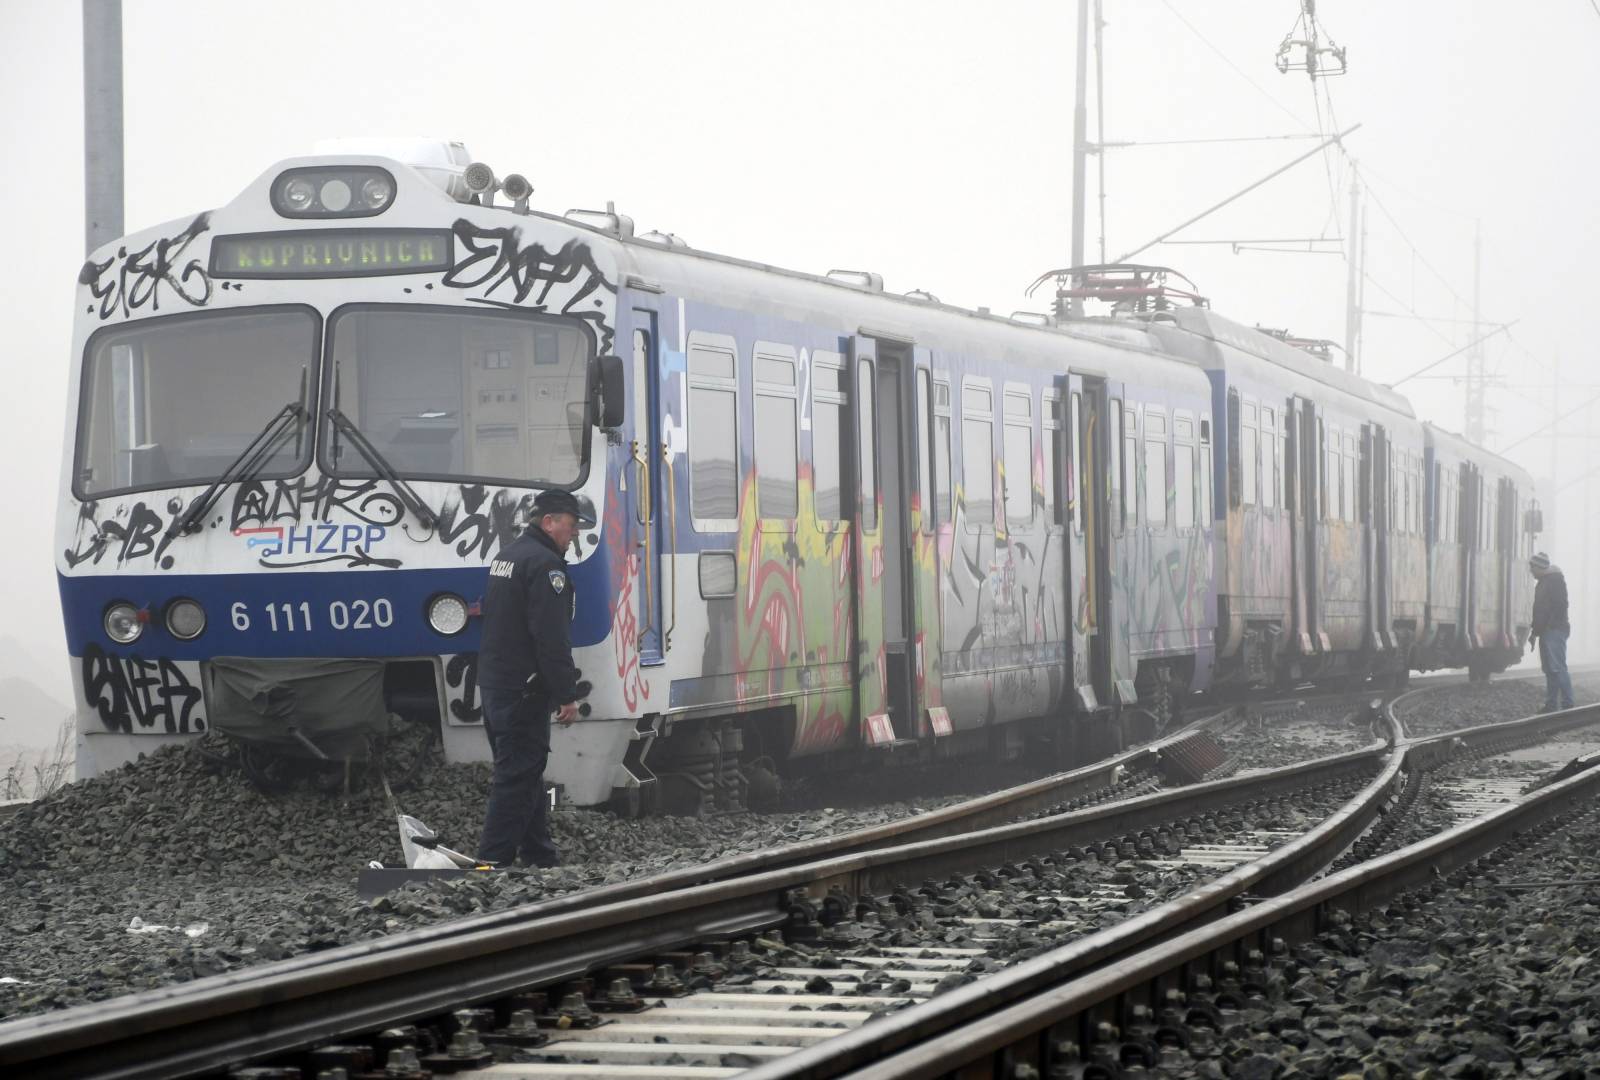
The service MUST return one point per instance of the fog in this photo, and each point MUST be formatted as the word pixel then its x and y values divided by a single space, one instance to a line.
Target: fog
pixel 928 141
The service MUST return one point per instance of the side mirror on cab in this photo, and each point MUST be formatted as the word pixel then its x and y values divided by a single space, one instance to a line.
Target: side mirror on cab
pixel 1534 520
pixel 606 391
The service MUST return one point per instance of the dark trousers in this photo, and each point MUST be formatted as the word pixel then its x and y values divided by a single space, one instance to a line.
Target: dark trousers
pixel 1553 658
pixel 517 821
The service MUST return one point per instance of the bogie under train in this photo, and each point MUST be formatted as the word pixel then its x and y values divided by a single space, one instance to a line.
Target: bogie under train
pixel 832 521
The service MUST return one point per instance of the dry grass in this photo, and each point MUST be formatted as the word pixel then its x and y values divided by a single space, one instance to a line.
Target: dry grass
pixel 36 774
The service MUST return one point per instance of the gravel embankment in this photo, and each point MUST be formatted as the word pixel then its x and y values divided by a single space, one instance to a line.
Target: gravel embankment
pixel 233 877
pixel 1464 705
pixel 1472 982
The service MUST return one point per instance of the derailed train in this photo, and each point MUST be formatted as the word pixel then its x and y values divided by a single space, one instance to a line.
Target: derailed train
pixel 833 520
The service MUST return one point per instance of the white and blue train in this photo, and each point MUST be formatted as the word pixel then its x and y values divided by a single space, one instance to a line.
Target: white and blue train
pixel 832 520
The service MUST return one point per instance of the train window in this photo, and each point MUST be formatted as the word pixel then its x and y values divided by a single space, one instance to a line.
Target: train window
pixel 1077 476
pixel 1269 464
pixel 1183 483
pixel 1155 469
pixel 867 444
pixel 977 456
pixel 1118 509
pixel 1206 478
pixel 1017 438
pixel 828 401
pixel 1052 459
pixel 713 432
pixel 777 435
pixel 1130 468
pixel 925 449
pixel 941 451
pixel 1351 478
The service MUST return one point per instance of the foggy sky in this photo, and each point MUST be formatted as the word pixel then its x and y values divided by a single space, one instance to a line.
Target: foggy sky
pixel 930 142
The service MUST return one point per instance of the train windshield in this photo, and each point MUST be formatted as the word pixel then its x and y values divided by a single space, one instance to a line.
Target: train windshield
pixel 456 394
pixel 174 401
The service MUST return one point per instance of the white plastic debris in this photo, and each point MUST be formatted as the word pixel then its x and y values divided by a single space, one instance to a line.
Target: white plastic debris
pixel 139 926
pixel 423 851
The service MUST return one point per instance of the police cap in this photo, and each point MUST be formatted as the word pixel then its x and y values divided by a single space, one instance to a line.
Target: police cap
pixel 552 501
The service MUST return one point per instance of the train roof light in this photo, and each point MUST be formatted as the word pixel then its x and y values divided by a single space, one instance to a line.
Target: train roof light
pixel 517 189
pixel 439 161
pixel 333 191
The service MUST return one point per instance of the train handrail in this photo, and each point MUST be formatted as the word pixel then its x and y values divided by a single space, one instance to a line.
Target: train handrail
pixel 672 542
pixel 646 513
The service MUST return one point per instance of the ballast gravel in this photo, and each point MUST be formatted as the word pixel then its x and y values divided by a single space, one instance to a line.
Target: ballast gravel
pixel 1486 979
pixel 1463 705
pixel 174 867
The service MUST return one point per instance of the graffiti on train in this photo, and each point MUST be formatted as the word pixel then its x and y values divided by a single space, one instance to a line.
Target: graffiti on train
pixel 565 281
pixel 304 521
pixel 135 695
pixel 128 282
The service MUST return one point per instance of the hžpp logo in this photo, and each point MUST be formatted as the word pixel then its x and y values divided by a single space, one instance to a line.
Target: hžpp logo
pixel 308 542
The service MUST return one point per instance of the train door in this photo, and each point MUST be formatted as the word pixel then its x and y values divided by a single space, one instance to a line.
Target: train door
pixel 1303 474
pixel 1377 477
pixel 881 527
pixel 646 465
pixel 1088 560
pixel 1471 523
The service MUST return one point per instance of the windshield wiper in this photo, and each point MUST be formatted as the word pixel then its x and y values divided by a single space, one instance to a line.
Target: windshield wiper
pixel 380 464
pixel 251 460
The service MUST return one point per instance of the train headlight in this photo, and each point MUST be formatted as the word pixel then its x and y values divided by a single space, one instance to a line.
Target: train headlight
pixel 376 192
pixel 330 191
pixel 447 613
pixel 123 622
pixel 186 619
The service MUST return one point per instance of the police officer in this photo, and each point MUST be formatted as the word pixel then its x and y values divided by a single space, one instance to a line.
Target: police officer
pixel 525 671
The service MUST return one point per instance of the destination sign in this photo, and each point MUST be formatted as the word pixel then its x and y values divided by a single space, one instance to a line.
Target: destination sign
pixel 311 253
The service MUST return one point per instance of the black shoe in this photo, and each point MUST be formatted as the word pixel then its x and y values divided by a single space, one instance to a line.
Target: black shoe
pixel 543 862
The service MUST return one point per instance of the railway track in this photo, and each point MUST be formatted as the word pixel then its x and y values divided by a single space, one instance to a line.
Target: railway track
pixel 749 1004
pixel 209 1024
pixel 1153 1006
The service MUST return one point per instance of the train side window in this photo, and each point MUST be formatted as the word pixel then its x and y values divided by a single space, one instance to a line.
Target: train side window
pixel 1269 453
pixel 1248 451
pixel 1183 471
pixel 1052 459
pixel 1130 468
pixel 829 398
pixel 867 440
pixel 941 451
pixel 1017 439
pixel 1155 468
pixel 925 448
pixel 1351 478
pixel 777 432
pixel 1206 476
pixel 1118 508
pixel 713 431
pixel 977 456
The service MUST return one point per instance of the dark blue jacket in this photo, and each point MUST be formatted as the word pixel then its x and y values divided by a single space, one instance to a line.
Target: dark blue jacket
pixel 527 610
pixel 1550 603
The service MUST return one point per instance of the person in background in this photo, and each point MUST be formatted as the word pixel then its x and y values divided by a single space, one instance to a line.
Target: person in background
pixel 1550 630
pixel 525 671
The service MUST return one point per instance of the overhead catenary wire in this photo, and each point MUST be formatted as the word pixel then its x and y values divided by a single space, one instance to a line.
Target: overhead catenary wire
pixel 1452 356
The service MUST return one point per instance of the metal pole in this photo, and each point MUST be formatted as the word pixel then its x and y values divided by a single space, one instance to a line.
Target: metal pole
pixel 1474 418
pixel 1100 120
pixel 102 121
pixel 1555 451
pixel 1080 143
pixel 1352 316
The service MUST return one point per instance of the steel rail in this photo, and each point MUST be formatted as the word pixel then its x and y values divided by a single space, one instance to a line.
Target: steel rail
pixel 956 1030
pixel 1020 1031
pixel 212 1023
